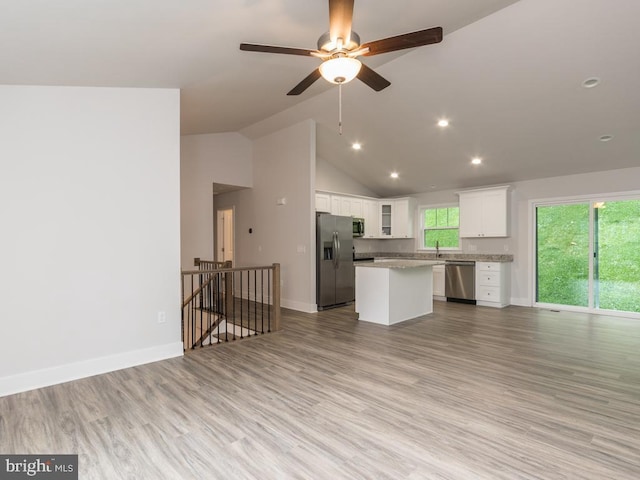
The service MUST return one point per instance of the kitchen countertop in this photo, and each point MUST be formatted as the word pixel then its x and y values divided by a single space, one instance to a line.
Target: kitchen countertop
pixel 477 257
pixel 400 263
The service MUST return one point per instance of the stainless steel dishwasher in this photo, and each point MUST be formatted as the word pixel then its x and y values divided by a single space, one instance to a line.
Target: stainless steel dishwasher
pixel 460 281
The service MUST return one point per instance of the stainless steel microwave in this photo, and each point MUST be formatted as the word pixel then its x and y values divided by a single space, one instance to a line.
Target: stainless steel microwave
pixel 358 227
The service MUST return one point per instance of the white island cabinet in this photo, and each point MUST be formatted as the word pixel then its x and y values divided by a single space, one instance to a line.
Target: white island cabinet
pixel 393 291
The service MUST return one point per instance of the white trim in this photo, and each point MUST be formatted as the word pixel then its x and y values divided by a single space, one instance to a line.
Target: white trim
pixel 589 310
pixel 364 197
pixel 521 302
pixel 299 306
pixel 581 198
pixel 483 189
pixel 87 368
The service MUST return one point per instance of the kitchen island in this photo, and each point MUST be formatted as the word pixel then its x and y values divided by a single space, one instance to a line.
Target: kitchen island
pixel 394 290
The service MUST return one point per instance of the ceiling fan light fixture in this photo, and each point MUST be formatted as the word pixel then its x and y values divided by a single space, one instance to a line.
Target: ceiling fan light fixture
pixel 340 69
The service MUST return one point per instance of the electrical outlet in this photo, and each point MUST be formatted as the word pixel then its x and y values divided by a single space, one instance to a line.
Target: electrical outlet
pixel 162 317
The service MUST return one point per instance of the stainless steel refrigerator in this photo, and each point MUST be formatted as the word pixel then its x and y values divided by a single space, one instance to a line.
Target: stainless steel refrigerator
pixel 335 283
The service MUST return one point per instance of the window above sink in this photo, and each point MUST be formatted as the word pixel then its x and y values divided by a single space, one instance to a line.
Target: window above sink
pixel 440 227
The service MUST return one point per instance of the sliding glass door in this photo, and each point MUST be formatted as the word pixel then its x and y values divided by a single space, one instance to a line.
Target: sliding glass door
pixel 587 255
pixel 617 255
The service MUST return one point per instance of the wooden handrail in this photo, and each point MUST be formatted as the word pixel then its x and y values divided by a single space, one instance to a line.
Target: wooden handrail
pixel 276 285
pixel 234 269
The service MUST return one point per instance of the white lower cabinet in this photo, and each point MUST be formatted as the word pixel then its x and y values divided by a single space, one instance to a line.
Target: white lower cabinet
pixel 493 284
pixel 438 282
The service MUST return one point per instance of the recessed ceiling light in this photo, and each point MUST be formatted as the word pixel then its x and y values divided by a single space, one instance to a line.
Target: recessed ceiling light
pixel 394 175
pixel 591 82
pixel 476 160
pixel 606 138
pixel 356 146
pixel 443 122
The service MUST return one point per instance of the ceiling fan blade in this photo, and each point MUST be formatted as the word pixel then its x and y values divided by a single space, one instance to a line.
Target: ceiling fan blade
pixel 252 47
pixel 407 40
pixel 306 83
pixel 371 78
pixel 340 19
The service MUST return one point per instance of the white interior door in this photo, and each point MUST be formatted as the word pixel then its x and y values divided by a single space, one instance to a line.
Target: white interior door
pixel 225 235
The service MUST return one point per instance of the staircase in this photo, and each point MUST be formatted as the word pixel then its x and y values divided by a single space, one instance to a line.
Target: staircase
pixel 222 304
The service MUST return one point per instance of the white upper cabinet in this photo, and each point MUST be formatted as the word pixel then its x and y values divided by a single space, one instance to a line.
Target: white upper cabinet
pixel 336 205
pixel 371 221
pixel 391 218
pixel 323 202
pixel 386 213
pixel 346 206
pixel 402 218
pixel 396 218
pixel 355 207
pixel 484 212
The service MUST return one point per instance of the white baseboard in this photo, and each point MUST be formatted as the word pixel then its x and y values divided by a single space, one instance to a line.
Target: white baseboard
pixel 87 368
pixel 299 306
pixel 521 302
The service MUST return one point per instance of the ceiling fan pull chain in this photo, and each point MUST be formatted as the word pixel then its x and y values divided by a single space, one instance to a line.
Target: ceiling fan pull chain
pixel 340 108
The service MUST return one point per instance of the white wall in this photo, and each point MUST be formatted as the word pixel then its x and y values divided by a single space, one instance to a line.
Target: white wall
pixel 283 167
pixel 518 244
pixel 331 179
pixel 89 207
pixel 204 159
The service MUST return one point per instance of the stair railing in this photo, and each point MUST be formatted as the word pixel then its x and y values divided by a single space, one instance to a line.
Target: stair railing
pixel 225 304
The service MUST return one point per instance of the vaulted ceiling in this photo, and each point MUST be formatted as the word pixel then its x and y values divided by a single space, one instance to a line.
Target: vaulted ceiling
pixel 508 76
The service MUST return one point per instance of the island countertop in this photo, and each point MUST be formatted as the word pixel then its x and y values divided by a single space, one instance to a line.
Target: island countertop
pixel 400 263
pixel 477 257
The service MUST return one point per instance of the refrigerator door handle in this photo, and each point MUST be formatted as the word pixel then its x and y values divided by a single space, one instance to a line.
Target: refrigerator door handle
pixel 338 251
pixel 335 249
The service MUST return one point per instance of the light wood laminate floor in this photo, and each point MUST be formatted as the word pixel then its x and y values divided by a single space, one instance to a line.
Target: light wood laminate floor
pixel 464 393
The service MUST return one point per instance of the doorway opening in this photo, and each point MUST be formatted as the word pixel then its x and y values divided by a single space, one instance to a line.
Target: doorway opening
pixel 225 236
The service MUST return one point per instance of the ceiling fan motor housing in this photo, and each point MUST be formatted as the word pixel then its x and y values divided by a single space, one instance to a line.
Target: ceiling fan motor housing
pixel 327 45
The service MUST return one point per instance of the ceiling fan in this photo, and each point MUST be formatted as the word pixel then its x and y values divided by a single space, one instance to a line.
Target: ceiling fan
pixel 340 46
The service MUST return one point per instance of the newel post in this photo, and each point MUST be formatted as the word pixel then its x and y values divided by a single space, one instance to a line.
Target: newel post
pixel 276 297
